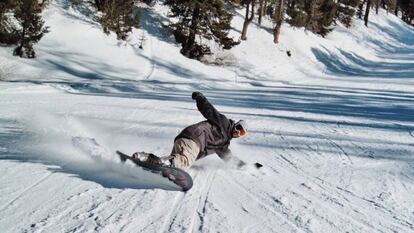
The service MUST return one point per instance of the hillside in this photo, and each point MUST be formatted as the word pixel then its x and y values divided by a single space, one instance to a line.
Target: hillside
pixel 332 124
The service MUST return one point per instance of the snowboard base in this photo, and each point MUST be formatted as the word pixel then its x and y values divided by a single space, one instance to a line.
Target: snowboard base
pixel 176 175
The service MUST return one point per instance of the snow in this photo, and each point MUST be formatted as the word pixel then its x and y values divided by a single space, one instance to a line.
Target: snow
pixel 332 125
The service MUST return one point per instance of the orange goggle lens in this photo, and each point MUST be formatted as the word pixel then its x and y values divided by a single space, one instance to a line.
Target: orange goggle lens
pixel 241 131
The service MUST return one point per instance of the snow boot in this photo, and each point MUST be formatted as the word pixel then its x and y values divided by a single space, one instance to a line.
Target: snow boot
pixel 152 159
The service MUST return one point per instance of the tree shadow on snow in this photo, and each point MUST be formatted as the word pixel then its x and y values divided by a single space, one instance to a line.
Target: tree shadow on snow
pixel 351 64
pixel 156 25
pixel 397 50
pixel 85 12
pixel 87 75
pixel 400 32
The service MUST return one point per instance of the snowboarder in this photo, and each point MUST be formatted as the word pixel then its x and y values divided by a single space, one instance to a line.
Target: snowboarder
pixel 202 139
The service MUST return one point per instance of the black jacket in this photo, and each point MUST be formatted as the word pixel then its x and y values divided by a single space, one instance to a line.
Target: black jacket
pixel 214 134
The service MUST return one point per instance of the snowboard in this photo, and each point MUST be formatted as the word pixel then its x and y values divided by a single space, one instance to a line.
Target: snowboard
pixel 176 175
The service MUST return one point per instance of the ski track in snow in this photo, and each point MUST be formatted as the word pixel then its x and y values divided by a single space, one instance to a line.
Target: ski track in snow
pixel 172 214
pixel 333 198
pixel 197 222
pixel 153 64
pixel 261 201
pixel 36 183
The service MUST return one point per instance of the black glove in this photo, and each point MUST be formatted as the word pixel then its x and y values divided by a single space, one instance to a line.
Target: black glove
pixel 241 164
pixel 196 95
pixel 258 165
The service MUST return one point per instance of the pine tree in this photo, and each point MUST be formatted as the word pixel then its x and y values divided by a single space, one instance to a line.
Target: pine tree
pixel 201 19
pixel 27 13
pixel 317 16
pixel 5 6
pixel 297 14
pixel 328 11
pixel 407 10
pixel 117 17
pixel 311 7
pixel 390 5
pixel 100 4
pixel 346 9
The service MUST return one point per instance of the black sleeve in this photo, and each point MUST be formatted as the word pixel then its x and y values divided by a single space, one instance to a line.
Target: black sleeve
pixel 225 155
pixel 210 113
pixel 231 160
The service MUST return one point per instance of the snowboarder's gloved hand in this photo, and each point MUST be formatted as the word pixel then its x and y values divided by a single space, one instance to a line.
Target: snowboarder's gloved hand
pixel 241 164
pixel 196 95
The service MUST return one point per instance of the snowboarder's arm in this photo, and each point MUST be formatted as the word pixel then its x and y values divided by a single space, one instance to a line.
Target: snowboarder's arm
pixel 209 112
pixel 230 159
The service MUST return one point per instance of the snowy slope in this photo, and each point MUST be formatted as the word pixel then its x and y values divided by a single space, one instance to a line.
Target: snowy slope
pixel 333 125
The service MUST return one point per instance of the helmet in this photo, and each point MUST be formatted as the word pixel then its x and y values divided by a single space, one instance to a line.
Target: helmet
pixel 241 127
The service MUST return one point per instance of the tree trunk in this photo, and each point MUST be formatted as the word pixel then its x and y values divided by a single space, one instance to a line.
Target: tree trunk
pixel 311 12
pixel 42 3
pixel 360 7
pixel 396 9
pixel 189 43
pixel 18 51
pixel 260 11
pixel 247 19
pixel 100 4
pixel 279 20
pixel 292 4
pixel 377 4
pixel 367 12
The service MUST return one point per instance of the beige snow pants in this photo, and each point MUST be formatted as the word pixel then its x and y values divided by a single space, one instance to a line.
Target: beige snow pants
pixel 184 152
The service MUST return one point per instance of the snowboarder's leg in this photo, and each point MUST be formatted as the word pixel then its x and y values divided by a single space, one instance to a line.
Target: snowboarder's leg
pixel 184 152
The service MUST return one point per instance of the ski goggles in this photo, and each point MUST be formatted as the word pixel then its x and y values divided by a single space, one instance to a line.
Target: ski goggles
pixel 240 130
